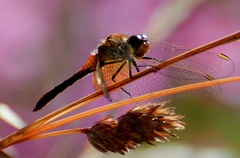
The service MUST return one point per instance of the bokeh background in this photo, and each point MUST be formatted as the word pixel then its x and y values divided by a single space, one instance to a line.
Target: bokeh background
pixel 43 42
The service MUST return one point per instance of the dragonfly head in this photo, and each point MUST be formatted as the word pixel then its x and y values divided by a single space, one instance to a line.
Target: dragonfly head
pixel 139 44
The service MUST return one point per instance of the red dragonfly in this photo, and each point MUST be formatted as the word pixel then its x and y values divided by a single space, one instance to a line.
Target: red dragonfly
pixel 120 55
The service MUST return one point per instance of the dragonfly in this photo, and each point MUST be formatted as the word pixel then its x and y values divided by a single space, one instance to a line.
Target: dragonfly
pixel 119 56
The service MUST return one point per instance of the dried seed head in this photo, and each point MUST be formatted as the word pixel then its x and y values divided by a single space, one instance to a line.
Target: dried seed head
pixel 143 124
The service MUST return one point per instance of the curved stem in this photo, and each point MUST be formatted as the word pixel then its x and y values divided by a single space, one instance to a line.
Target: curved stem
pixel 127 102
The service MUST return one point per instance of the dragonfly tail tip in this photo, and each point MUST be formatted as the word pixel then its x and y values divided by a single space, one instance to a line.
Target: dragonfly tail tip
pixel 36 109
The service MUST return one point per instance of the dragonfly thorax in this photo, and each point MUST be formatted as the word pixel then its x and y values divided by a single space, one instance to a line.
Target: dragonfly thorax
pixel 113 48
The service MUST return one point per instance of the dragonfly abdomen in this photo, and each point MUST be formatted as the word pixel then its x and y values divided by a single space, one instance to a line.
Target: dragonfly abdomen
pixel 89 67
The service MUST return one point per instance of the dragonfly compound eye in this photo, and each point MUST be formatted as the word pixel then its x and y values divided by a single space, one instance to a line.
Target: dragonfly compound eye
pixel 139 44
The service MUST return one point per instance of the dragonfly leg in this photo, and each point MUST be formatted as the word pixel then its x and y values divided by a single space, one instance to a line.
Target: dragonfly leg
pixel 115 74
pixel 135 65
pixel 126 92
pixel 150 58
pixel 118 70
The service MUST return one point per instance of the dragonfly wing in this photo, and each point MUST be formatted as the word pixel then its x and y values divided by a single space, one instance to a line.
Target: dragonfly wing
pixel 108 71
pixel 199 68
pixel 161 80
pixel 213 64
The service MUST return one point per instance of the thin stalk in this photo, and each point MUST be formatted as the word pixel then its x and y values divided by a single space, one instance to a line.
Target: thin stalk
pixel 52 134
pixel 112 106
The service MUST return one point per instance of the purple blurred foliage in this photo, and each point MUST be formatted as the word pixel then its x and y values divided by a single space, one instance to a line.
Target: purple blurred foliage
pixel 44 42
pixel 210 21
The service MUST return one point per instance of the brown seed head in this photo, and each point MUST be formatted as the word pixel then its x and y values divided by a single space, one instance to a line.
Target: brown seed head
pixel 143 124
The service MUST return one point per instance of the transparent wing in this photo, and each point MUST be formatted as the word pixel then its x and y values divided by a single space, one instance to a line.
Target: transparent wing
pixel 199 68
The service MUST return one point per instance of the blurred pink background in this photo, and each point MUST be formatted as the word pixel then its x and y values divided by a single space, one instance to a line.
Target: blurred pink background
pixel 44 42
